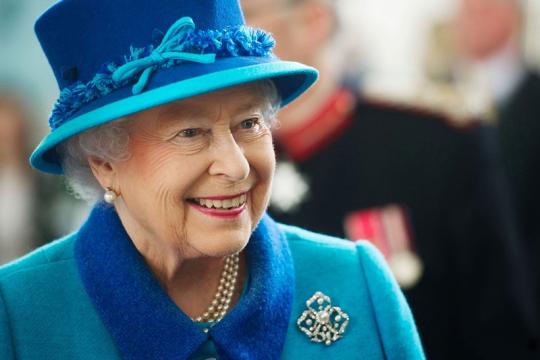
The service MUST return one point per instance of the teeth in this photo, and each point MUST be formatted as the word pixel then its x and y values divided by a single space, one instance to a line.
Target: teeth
pixel 223 204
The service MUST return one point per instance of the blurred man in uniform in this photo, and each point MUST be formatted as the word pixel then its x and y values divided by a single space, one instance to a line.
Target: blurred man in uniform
pixel 422 190
pixel 489 34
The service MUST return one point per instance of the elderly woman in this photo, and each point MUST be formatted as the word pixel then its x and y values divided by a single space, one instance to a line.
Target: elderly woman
pixel 165 113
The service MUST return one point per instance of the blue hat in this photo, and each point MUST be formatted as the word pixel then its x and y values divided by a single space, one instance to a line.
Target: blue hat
pixel 115 58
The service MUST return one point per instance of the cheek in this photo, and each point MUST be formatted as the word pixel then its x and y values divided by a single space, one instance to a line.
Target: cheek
pixel 262 157
pixel 268 162
pixel 159 174
pixel 263 162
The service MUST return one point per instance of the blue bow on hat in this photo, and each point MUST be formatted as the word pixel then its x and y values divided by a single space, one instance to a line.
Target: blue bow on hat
pixel 166 51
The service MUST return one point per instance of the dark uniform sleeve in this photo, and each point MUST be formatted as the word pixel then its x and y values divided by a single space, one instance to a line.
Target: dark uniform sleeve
pixel 399 337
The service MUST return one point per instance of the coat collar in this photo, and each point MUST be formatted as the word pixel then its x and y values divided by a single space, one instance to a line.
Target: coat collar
pixel 146 324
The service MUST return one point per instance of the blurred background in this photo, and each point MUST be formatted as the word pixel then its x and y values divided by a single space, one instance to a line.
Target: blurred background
pixel 406 58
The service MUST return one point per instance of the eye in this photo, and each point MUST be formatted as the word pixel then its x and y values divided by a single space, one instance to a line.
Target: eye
pixel 250 123
pixel 189 133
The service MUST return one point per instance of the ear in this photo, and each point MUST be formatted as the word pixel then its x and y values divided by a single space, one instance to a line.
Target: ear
pixel 104 172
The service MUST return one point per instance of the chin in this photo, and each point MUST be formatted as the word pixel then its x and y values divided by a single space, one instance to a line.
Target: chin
pixel 222 243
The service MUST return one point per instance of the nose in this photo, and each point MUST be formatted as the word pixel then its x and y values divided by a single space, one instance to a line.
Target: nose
pixel 229 160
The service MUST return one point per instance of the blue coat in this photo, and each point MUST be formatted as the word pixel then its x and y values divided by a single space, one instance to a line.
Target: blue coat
pixel 91 296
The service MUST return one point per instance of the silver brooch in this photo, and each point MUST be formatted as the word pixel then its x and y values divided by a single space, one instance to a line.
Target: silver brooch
pixel 322 322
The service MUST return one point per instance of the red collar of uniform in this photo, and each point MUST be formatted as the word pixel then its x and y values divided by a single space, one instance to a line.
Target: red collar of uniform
pixel 322 129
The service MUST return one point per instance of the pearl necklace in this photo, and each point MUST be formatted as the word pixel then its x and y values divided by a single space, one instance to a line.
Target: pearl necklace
pixel 225 291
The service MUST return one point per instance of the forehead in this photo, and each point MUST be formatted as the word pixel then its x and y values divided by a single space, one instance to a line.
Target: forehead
pixel 231 100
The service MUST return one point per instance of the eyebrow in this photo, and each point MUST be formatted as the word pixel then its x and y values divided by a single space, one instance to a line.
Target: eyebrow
pixel 183 110
pixel 255 101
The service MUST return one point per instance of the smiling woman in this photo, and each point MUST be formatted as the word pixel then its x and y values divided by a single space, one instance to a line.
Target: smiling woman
pixel 178 259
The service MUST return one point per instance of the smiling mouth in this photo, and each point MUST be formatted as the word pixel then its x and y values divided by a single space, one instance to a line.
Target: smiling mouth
pixel 222 204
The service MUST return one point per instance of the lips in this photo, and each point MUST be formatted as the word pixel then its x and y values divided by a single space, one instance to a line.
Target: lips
pixel 223 203
pixel 220 206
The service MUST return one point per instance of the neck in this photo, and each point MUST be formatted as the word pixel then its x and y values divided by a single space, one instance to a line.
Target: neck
pixel 505 72
pixel 502 71
pixel 190 281
pixel 194 290
pixel 312 100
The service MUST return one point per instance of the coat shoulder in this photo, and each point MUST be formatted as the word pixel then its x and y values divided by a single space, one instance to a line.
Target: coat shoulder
pixel 356 278
pixel 42 301
pixel 55 252
pixel 315 244
pixel 339 258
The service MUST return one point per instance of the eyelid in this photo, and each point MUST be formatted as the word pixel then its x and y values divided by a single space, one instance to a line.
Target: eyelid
pixel 178 133
pixel 256 121
pixel 255 117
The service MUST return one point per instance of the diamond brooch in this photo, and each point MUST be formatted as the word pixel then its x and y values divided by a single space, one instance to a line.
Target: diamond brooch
pixel 322 322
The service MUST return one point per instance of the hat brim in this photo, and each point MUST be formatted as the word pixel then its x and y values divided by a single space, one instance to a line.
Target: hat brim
pixel 291 80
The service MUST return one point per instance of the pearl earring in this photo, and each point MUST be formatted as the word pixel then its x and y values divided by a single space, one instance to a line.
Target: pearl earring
pixel 110 196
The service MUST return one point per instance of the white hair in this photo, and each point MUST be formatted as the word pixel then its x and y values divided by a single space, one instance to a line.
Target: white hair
pixel 110 142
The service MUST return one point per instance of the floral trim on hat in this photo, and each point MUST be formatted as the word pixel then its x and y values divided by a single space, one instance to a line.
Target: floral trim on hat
pixel 181 43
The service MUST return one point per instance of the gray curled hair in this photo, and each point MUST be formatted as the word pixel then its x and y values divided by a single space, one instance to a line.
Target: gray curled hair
pixel 110 142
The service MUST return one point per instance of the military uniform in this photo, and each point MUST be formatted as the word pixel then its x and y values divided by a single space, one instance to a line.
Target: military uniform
pixel 473 299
